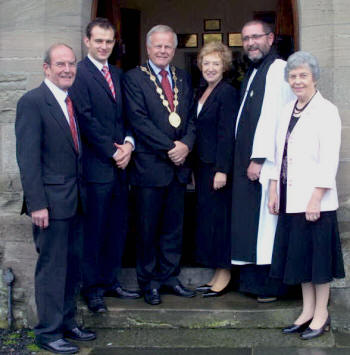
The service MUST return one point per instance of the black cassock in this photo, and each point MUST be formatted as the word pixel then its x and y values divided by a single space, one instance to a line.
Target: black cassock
pixel 246 194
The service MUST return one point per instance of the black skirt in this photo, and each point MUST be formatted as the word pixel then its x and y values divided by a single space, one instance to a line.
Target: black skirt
pixel 307 251
pixel 213 244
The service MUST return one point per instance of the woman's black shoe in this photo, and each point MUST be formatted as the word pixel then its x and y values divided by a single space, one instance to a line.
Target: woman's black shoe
pixel 313 333
pixel 211 293
pixel 203 288
pixel 296 328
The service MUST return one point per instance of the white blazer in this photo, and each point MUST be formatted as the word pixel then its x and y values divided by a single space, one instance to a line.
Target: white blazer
pixel 313 154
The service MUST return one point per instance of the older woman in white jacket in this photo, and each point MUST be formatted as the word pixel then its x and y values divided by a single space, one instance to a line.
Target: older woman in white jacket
pixel 303 193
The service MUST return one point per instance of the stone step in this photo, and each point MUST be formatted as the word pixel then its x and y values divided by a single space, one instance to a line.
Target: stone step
pixel 171 341
pixel 232 310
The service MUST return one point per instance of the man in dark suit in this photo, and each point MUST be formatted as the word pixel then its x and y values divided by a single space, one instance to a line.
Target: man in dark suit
pixel 49 158
pixel 97 97
pixel 159 105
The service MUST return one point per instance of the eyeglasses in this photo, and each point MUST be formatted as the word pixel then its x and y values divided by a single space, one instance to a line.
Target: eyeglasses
pixel 301 76
pixel 254 37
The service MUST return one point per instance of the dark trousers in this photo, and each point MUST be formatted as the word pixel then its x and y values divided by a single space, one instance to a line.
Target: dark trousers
pixel 105 228
pixel 160 212
pixel 57 276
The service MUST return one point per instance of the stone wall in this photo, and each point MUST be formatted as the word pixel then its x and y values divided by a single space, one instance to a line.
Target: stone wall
pixel 28 27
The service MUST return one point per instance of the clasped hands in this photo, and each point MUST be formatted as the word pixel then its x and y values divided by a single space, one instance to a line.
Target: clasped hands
pixel 179 153
pixel 123 154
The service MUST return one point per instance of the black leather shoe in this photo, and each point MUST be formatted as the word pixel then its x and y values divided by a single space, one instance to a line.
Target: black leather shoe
pixel 203 288
pixel 80 334
pixel 152 296
pixel 294 328
pixel 60 346
pixel 179 290
pixel 95 303
pixel 118 291
pixel 211 293
pixel 313 333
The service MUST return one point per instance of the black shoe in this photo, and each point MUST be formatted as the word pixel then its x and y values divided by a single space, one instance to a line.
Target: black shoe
pixel 211 293
pixel 313 333
pixel 95 303
pixel 294 328
pixel 203 288
pixel 152 296
pixel 118 291
pixel 179 290
pixel 60 346
pixel 80 334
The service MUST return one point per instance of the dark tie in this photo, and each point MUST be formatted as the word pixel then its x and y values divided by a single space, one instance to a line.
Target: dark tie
pixel 72 125
pixel 108 78
pixel 167 88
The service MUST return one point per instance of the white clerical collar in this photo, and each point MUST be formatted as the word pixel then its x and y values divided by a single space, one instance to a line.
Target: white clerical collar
pixel 156 69
pixel 59 94
pixel 97 64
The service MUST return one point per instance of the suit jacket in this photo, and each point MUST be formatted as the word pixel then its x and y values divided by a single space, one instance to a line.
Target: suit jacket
pixel 313 154
pixel 100 119
pixel 154 135
pixel 49 165
pixel 215 127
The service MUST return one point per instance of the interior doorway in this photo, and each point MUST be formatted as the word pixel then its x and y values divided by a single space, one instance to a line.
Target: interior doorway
pixel 133 18
pixel 194 21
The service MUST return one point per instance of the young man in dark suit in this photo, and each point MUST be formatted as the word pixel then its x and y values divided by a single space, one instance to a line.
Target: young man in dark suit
pixel 49 158
pixel 107 151
pixel 159 105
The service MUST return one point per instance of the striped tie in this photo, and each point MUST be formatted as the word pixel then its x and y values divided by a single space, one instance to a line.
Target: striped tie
pixel 72 124
pixel 108 78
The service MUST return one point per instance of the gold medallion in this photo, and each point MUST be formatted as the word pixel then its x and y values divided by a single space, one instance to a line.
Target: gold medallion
pixel 174 119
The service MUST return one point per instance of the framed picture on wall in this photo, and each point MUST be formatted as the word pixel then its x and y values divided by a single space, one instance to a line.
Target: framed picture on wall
pixel 212 25
pixel 209 37
pixel 187 40
pixel 234 39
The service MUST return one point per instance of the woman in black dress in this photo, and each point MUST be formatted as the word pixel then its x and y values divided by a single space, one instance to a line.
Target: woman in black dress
pixel 217 105
pixel 303 192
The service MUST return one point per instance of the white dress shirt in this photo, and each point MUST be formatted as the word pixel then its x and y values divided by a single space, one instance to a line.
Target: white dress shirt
pixel 60 96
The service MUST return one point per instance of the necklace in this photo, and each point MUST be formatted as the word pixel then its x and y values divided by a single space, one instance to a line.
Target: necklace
pixel 298 111
pixel 174 118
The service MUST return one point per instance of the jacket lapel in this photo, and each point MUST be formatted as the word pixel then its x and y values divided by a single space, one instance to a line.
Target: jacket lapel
pixel 211 98
pixel 98 76
pixel 57 113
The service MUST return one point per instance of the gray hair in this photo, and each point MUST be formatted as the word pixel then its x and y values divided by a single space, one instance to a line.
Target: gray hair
pixel 160 28
pixel 299 59
pixel 48 52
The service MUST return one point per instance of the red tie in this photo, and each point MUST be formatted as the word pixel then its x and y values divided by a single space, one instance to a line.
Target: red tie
pixel 167 88
pixel 108 78
pixel 72 125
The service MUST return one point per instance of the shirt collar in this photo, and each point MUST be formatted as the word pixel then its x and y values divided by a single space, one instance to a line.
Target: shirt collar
pixel 97 64
pixel 59 94
pixel 156 69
